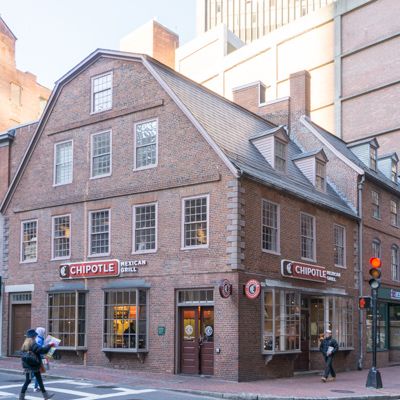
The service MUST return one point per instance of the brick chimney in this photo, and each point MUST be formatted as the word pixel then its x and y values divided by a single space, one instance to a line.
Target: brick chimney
pixel 300 97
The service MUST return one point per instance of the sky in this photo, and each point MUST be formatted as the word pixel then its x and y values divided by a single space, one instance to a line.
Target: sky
pixel 55 35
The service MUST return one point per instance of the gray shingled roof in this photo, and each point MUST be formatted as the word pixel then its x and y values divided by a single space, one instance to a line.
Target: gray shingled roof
pixel 231 127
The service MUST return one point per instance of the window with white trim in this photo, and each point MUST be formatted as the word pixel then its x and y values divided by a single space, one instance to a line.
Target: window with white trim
pixel 146 144
pixel 29 241
pixel 270 226
pixel 145 228
pixel 339 245
pixel 63 163
pixel 195 222
pixel 307 237
pixel 101 154
pixel 61 236
pixel 395 263
pixel 99 232
pixel 394 212
pixel 320 175
pixel 372 157
pixel 280 156
pixel 394 171
pixel 376 248
pixel 102 92
pixel 376 204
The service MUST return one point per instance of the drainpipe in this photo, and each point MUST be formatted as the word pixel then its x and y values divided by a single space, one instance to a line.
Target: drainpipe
pixel 360 277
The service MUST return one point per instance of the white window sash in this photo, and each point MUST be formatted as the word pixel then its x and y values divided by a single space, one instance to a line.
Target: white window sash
pixel 134 251
pixel 23 242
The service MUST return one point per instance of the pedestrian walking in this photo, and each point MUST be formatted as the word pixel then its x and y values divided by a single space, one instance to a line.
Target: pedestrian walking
pixel 31 362
pixel 39 340
pixel 328 348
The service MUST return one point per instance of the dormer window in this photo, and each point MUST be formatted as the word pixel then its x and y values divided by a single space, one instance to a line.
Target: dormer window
pixel 280 156
pixel 320 175
pixel 387 165
pixel 366 150
pixel 394 171
pixel 372 156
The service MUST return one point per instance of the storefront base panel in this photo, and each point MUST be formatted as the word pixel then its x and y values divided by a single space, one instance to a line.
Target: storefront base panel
pixel 69 357
pixel 342 361
pixel 394 356
pixel 382 359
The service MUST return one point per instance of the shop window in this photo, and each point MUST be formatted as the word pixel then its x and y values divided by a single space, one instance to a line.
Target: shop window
pixel 102 93
pixel 270 227
pixel 67 318
pixel 125 320
pixel 146 144
pixel 394 213
pixel 376 248
pixel 395 263
pixel 307 237
pixel 29 233
pixel 101 155
pixel 281 321
pixel 63 163
pixel 394 326
pixel 61 237
pixel 195 222
pixel 99 233
pixel 376 204
pixel 381 340
pixel 339 245
pixel 145 223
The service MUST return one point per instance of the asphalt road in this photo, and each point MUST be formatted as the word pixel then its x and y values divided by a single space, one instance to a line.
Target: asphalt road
pixel 68 389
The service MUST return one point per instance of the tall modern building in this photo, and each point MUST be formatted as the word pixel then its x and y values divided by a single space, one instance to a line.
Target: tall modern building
pixel 252 19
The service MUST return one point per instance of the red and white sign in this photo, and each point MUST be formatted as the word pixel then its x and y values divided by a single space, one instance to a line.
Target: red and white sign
pixel 252 289
pixel 225 288
pixel 92 269
pixel 293 269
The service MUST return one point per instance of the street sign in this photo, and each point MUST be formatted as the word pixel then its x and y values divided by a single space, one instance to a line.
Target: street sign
pixel 365 302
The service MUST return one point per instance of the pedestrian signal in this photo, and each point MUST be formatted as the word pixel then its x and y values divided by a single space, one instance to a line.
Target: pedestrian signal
pixel 364 303
pixel 375 273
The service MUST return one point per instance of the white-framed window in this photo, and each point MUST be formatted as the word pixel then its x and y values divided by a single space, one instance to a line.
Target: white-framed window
pixel 376 204
pixel 339 234
pixel 393 171
pixel 395 263
pixel 307 232
pixel 372 157
pixel 61 244
pixel 195 221
pixel 145 228
pixel 102 92
pixel 280 156
pixel 101 159
pixel 270 224
pixel 99 233
pixel 146 144
pixel 319 175
pixel 63 162
pixel 394 212
pixel 376 248
pixel 29 240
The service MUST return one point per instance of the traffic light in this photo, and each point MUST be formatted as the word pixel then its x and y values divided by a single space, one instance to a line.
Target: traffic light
pixel 375 273
pixel 365 302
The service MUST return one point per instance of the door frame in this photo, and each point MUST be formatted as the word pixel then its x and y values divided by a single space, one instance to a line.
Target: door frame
pixel 25 299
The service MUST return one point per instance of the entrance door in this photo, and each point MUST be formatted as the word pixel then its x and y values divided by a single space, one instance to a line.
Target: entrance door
pixel 21 317
pixel 207 341
pixel 302 362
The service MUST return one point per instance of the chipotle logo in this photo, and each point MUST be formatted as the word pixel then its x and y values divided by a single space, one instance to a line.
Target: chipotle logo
pixel 90 269
pixel 293 269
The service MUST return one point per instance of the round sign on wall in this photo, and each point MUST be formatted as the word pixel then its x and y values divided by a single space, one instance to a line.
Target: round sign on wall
pixel 252 289
pixel 225 288
pixel 189 329
pixel 209 330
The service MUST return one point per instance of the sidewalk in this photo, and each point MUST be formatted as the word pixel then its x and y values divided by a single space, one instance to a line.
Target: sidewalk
pixel 349 385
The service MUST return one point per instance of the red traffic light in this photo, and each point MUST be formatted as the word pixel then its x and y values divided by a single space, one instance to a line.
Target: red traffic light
pixel 375 262
pixel 364 303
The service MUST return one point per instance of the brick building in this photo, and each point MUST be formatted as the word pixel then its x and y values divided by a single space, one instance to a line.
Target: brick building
pixel 139 194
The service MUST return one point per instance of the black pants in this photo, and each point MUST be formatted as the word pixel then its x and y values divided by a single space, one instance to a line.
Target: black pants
pixel 329 367
pixel 28 380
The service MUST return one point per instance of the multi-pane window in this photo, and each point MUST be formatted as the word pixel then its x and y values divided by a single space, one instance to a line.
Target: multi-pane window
pixel 125 323
pixel 102 93
pixel 394 212
pixel 270 226
pixel 394 171
pixel 395 263
pixel 339 245
pixel 280 156
pixel 320 176
pixel 101 154
pixel 67 318
pixel 144 222
pixel 381 339
pixel 61 236
pixel 146 144
pixel 100 232
pixel 307 237
pixel 394 325
pixel 63 163
pixel 376 248
pixel 29 241
pixel 372 156
pixel 195 222
pixel 376 204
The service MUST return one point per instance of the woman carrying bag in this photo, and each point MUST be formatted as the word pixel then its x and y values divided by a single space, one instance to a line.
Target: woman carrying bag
pixel 32 363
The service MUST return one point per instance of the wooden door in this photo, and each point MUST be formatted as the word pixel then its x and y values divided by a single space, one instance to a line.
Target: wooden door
pixel 207 341
pixel 21 316
pixel 189 338
pixel 302 362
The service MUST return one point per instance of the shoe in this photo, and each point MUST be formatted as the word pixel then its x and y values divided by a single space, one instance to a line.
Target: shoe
pixel 36 390
pixel 21 396
pixel 47 395
pixel 333 378
pixel 323 379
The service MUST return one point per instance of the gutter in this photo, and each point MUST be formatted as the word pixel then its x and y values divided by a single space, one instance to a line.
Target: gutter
pixel 360 280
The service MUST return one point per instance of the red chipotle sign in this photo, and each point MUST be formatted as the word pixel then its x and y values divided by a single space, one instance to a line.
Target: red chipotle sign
pixel 293 269
pixel 91 269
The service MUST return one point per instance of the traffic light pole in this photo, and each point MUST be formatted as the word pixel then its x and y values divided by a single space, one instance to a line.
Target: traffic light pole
pixel 374 380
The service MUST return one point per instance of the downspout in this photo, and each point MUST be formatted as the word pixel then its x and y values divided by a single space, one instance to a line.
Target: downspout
pixel 360 276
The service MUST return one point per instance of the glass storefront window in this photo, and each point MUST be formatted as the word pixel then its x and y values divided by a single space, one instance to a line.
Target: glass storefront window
pixel 67 318
pixel 125 320
pixel 394 325
pixel 381 341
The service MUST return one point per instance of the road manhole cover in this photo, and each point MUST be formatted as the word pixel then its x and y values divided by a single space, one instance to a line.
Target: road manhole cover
pixel 341 391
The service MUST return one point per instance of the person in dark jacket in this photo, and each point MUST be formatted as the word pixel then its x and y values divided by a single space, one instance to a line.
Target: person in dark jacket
pixel 31 346
pixel 328 348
